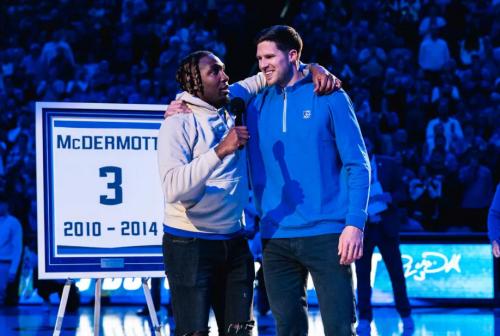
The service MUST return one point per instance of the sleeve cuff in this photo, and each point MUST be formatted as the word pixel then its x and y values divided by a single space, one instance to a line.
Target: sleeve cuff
pixel 357 220
pixel 212 159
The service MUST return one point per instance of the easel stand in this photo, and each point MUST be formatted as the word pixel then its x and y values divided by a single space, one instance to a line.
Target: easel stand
pixel 151 307
pixel 97 307
pixel 62 307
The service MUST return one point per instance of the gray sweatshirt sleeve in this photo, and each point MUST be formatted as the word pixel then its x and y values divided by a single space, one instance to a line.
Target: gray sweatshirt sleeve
pixel 182 177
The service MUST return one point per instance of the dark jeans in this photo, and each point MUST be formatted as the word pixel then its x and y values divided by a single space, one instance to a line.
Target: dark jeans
pixel 210 273
pixel 261 300
pixel 287 263
pixel 389 249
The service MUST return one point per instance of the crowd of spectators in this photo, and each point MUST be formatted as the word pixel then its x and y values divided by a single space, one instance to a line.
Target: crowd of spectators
pixel 425 81
pixel 423 75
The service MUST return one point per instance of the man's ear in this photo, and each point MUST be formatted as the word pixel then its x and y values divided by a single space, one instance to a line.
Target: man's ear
pixel 293 56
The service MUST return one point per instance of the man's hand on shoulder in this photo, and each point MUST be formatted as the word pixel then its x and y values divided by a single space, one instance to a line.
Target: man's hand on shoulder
pixel 350 245
pixel 176 106
pixel 324 81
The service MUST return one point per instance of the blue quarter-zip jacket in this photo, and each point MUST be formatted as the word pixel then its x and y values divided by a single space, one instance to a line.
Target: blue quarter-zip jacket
pixel 309 169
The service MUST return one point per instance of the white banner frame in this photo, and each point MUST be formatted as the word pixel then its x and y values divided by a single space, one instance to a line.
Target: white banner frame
pixel 61 261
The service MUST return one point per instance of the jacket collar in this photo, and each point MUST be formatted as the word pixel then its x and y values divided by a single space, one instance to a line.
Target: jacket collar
pixel 306 80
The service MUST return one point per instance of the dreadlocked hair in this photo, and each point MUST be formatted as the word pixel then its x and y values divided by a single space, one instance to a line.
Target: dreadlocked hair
pixel 188 73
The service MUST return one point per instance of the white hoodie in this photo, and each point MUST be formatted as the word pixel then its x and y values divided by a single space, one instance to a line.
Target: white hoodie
pixel 202 193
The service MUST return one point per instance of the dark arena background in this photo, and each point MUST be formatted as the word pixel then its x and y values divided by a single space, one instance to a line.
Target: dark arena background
pixel 424 79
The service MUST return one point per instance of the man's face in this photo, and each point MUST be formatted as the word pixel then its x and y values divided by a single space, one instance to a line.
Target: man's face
pixel 215 81
pixel 276 65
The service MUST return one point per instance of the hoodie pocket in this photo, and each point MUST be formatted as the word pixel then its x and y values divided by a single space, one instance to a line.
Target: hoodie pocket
pixel 222 202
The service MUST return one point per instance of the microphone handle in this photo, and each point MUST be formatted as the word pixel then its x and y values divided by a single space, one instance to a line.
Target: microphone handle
pixel 238 121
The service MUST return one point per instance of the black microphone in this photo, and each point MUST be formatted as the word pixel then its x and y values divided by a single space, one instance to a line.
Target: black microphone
pixel 237 108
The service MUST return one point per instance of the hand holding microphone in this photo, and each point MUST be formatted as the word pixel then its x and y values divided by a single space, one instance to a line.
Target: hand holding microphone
pixel 238 135
pixel 237 107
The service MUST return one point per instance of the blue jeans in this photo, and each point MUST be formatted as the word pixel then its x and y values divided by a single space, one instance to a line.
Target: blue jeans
pixel 210 273
pixel 287 263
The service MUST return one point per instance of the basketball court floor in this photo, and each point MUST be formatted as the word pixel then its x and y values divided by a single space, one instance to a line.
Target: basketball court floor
pixel 122 320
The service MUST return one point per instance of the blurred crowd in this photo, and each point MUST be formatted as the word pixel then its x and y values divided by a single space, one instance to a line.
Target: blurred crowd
pixel 423 75
pixel 425 81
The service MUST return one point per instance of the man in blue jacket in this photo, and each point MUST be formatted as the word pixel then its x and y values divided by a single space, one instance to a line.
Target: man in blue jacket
pixel 310 175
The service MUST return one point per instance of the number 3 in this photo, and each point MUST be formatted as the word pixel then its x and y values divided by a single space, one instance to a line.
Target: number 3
pixel 115 185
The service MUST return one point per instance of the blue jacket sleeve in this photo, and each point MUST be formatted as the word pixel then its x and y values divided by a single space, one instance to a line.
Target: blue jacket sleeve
pixel 248 88
pixel 354 157
pixel 494 217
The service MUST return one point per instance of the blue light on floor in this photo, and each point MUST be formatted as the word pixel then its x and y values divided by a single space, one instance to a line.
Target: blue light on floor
pixel 122 321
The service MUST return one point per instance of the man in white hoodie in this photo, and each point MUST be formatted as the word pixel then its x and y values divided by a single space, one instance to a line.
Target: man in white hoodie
pixel 207 259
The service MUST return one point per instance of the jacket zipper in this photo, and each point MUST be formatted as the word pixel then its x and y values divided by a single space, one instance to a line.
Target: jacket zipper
pixel 284 111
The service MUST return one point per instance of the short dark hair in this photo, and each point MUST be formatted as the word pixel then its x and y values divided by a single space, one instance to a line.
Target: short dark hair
pixel 188 73
pixel 285 37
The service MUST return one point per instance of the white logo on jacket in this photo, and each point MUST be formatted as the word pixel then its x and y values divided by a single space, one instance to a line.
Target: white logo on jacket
pixel 306 114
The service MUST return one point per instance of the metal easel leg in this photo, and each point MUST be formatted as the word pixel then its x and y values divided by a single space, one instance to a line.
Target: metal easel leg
pixel 62 307
pixel 97 307
pixel 151 307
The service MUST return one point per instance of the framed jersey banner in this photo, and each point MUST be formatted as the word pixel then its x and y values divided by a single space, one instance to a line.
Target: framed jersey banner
pixel 99 199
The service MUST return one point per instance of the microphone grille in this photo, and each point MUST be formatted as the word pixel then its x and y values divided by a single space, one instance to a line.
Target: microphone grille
pixel 237 105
